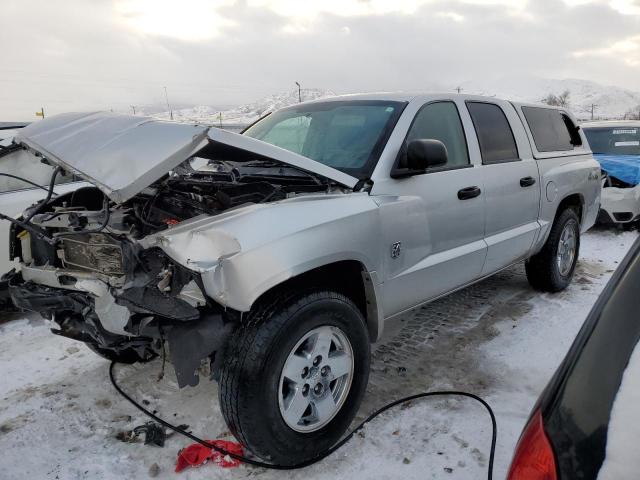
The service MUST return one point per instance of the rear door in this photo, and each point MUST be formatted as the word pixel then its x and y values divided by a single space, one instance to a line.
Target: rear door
pixel 511 183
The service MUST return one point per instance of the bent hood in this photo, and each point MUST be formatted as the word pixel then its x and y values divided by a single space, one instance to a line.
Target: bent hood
pixel 122 154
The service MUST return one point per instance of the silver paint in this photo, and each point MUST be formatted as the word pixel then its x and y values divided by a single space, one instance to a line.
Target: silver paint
pixel 123 154
pixel 446 243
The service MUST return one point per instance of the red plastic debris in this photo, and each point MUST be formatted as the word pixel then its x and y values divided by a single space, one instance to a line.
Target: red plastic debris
pixel 171 221
pixel 196 455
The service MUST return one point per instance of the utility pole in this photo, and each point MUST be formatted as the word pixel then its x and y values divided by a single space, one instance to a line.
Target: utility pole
pixel 40 113
pixel 593 108
pixel 166 97
pixel 299 93
pixel 459 89
pixel 220 118
pixel 133 107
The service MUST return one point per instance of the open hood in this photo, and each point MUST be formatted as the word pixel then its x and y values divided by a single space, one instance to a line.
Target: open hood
pixel 122 154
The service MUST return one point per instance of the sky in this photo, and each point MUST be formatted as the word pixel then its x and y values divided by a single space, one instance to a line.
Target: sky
pixel 70 55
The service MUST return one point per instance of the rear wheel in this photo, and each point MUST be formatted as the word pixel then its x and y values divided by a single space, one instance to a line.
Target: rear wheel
pixel 551 269
pixel 294 376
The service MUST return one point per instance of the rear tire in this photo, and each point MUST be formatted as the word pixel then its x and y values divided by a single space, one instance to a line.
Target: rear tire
pixel 280 342
pixel 551 269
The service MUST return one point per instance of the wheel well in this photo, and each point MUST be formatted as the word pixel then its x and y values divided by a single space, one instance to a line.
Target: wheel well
pixel 574 201
pixel 348 277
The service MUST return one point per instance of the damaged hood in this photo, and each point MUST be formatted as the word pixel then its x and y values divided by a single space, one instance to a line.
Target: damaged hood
pixel 122 154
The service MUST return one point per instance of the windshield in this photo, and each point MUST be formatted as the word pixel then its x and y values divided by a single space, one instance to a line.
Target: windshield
pixel 346 135
pixel 614 141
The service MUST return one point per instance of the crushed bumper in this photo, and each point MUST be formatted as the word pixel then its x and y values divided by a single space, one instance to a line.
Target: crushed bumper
pixel 191 335
pixel 620 205
pixel 45 300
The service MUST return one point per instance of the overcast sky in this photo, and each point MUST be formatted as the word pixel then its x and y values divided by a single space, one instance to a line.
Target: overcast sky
pixel 97 54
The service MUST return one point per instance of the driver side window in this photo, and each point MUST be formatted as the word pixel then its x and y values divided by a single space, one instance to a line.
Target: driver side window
pixel 441 121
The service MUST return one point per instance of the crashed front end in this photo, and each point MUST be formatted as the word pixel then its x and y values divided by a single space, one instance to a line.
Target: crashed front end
pixel 94 260
pixel 616 146
pixel 619 204
pixel 105 289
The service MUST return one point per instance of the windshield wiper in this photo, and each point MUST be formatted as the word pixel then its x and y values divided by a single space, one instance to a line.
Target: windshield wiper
pixel 264 163
pixel 274 164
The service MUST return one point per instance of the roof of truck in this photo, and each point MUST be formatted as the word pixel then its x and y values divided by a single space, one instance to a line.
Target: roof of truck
pixel 423 97
pixel 399 96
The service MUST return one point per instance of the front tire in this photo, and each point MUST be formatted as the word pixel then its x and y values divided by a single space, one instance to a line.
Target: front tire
pixel 294 375
pixel 551 269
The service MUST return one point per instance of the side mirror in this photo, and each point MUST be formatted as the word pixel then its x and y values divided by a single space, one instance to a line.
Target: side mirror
pixel 423 154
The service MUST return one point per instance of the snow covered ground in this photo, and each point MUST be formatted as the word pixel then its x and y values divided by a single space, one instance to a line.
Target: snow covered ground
pixel 59 415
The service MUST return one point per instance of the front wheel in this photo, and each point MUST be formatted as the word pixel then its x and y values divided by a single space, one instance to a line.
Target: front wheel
pixel 294 375
pixel 551 269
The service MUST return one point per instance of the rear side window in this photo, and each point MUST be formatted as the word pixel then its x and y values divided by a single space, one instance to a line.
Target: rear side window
pixel 497 143
pixel 552 130
pixel 441 121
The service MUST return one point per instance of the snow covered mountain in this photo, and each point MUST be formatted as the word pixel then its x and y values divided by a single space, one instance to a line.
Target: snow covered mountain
pixel 608 101
pixel 251 112
pixel 244 114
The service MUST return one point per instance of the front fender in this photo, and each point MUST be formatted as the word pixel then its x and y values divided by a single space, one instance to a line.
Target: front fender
pixel 243 253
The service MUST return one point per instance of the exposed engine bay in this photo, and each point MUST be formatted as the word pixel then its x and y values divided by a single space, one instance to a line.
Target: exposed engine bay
pixel 82 265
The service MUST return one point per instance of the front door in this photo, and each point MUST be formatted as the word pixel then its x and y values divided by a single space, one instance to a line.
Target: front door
pixel 434 227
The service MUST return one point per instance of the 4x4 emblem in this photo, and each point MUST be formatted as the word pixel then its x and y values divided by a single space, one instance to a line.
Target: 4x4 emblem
pixel 396 248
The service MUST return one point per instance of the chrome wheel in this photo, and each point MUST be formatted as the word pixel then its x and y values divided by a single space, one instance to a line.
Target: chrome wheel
pixel 567 248
pixel 315 379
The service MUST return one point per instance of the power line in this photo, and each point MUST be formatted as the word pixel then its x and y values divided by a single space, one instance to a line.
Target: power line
pixel 166 97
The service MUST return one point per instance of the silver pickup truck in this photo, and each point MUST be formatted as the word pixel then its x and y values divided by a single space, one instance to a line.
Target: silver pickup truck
pixel 276 256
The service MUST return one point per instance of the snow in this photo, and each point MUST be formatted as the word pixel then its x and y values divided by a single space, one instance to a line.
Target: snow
pixel 610 101
pixel 244 114
pixel 59 414
pixel 621 460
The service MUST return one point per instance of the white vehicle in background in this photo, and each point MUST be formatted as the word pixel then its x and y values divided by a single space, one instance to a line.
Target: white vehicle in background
pixel 616 146
pixel 16 194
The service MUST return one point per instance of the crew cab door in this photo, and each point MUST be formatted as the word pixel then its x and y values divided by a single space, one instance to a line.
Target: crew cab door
pixel 432 224
pixel 511 183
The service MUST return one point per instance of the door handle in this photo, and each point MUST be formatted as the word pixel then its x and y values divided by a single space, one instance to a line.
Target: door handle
pixel 468 193
pixel 527 181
